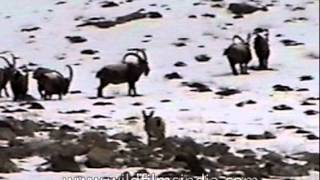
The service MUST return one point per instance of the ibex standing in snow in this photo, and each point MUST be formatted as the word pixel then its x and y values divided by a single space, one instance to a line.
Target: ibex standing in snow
pixel 239 53
pixel 125 72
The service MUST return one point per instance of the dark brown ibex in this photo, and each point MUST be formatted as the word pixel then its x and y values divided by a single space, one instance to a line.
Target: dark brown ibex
pixel 261 47
pixel 19 85
pixel 52 82
pixel 7 73
pixel 125 72
pixel 239 53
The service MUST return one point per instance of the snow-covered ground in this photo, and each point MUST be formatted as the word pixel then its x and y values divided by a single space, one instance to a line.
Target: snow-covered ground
pixel 58 21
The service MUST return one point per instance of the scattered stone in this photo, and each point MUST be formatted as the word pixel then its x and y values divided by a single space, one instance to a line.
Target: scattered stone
pixel 98 116
pixel 216 149
pixel 244 8
pixel 288 42
pixel 265 135
pixel 30 29
pixel 311 112
pixel 76 39
pixel 232 135
pixel 282 107
pixel 312 137
pixel 59 163
pixel 232 160
pixel 241 104
pixel 103 104
pixel 173 75
pixel 202 58
pixel 82 111
pixel 107 4
pixel 180 64
pixel 89 52
pixel 228 92
pixel 179 44
pixel 209 15
pixel 283 88
pixel 101 23
pixel 197 87
pixel 75 92
pixel 35 105
pixel 7 166
pixel 306 78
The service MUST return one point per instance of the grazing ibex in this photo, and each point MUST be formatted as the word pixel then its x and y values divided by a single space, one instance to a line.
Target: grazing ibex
pixel 52 82
pixel 125 72
pixel 239 53
pixel 155 128
pixel 19 85
pixel 261 47
pixel 7 73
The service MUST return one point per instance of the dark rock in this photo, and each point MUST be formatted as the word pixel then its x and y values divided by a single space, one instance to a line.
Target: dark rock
pixel 306 78
pixel 173 75
pixel 7 166
pixel 89 52
pixel 306 103
pixel 216 149
pixel 288 42
pixel 154 15
pixel 286 170
pixel 75 92
pixel 311 112
pixel 301 131
pixel 228 92
pixel 312 159
pixel 103 104
pixel 99 116
pixel 14 110
pixel 232 135
pixel 180 64
pixel 241 104
pixel 282 107
pixel 202 58
pixel 100 158
pixel 179 44
pixel 60 163
pixel 247 152
pixel 209 15
pixel 312 137
pixel 283 88
pixel 82 111
pixel 101 23
pixel 35 105
pixel 30 29
pixel 7 134
pixel 232 160
pixel 193 163
pixel 243 8
pixel 107 4
pixel 302 89
pixel 197 87
pixel 76 39
pixel 265 135
pixel 137 104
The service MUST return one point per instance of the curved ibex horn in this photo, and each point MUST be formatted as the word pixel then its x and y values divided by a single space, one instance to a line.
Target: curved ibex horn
pixel 130 54
pixel 70 72
pixel 142 50
pixel 237 37
pixel 13 59
pixel 6 60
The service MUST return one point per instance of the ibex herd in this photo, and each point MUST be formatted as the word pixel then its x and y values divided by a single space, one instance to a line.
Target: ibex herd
pixel 51 82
